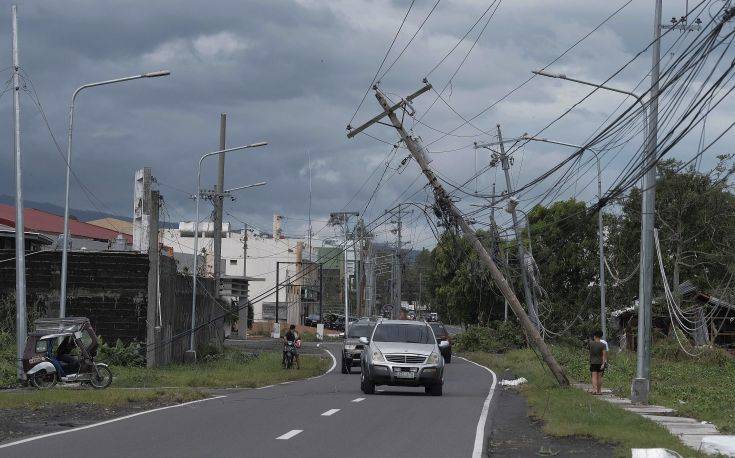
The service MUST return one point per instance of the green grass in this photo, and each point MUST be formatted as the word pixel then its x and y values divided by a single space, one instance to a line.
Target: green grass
pixel 231 371
pixel 37 399
pixel 702 388
pixel 572 412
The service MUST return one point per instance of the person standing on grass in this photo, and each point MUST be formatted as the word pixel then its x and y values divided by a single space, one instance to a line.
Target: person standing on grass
pixel 598 360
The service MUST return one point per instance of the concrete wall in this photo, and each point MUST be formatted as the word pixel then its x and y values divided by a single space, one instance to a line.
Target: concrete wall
pixel 107 287
pixel 111 289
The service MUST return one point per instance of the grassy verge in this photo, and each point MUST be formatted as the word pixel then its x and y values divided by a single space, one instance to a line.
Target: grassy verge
pixel 572 412
pixel 696 387
pixel 111 397
pixel 233 370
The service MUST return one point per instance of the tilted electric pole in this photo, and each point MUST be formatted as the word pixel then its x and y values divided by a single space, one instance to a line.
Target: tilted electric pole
pixel 449 210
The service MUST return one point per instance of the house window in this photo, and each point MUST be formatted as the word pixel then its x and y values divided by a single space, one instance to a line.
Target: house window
pixel 233 262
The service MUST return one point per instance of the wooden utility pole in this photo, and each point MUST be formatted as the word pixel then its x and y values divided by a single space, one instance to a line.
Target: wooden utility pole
pixel 450 211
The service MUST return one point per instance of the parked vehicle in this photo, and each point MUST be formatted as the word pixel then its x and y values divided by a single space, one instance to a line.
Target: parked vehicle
pixel 402 353
pixel 352 347
pixel 63 350
pixel 441 334
pixel 312 320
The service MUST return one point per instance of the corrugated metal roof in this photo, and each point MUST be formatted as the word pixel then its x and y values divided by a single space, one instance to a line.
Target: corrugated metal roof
pixel 48 223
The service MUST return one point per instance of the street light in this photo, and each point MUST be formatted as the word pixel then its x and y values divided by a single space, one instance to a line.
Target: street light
pixel 334 220
pixel 601 248
pixel 65 249
pixel 640 386
pixel 191 353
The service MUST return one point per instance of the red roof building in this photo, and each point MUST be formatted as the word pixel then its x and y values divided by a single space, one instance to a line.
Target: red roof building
pixel 48 223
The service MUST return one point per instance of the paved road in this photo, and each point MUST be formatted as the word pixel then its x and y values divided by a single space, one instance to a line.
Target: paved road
pixel 313 418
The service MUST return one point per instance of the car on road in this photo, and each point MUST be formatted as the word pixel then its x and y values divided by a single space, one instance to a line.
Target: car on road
pixel 312 320
pixel 352 347
pixel 433 316
pixel 402 353
pixel 441 334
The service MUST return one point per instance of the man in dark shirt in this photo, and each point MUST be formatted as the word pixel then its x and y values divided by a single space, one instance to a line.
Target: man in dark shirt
pixel 291 336
pixel 598 360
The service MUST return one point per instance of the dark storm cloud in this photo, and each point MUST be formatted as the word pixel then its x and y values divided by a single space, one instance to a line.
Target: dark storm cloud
pixel 292 73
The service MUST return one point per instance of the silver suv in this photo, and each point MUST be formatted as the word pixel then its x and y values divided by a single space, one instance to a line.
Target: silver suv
pixel 402 353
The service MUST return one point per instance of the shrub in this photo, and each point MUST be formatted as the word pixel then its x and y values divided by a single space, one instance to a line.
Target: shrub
pixel 498 337
pixel 121 354
pixel 8 376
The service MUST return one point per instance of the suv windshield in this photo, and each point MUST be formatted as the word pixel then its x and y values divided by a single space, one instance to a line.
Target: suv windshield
pixel 408 333
pixel 438 329
pixel 359 330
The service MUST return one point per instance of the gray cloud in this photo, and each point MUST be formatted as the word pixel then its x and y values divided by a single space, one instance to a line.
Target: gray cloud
pixel 292 73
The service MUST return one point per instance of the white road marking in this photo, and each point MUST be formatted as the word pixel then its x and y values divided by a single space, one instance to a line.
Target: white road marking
pixel 330 412
pixel 264 387
pixel 93 425
pixel 289 434
pixel 480 431
pixel 358 400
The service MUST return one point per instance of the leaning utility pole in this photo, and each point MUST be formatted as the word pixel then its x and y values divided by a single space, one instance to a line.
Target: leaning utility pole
pixel 530 302
pixel 642 381
pixel 218 200
pixel 449 210
pixel 20 244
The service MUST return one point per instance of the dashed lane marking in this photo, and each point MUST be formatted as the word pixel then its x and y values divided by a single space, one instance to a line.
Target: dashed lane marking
pixel 358 400
pixel 330 412
pixel 289 435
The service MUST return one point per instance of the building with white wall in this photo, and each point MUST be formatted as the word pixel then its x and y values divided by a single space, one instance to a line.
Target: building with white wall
pixel 262 254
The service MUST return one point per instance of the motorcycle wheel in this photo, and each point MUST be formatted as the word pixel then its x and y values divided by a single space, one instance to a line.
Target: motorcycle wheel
pixel 44 380
pixel 103 380
pixel 289 361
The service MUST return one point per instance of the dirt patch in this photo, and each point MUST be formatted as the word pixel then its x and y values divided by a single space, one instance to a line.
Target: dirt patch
pixel 515 434
pixel 19 423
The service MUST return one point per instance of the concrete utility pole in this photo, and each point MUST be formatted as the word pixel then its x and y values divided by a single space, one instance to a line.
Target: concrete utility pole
pixel 20 255
pixel 449 210
pixel 152 318
pixel 642 382
pixel 190 355
pixel 242 313
pixel 530 302
pixel 218 200
pixel 357 250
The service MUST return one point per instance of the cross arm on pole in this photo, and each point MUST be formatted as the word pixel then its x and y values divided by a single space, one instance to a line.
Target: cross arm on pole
pixel 352 132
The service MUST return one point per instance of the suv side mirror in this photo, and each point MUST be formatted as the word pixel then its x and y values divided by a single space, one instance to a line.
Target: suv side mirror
pixel 364 340
pixel 444 344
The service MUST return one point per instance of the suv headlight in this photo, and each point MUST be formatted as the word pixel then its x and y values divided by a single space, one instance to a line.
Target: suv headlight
pixel 433 358
pixel 378 357
pixel 349 347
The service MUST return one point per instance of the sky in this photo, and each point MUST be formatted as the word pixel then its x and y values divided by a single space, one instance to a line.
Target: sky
pixel 292 73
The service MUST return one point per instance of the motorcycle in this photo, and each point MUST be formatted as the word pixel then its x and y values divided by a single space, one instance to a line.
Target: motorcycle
pixel 289 350
pixel 48 359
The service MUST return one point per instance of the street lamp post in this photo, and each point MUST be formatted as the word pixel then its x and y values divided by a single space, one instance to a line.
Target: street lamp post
pixel 601 247
pixel 191 353
pixel 641 383
pixel 344 218
pixel 65 238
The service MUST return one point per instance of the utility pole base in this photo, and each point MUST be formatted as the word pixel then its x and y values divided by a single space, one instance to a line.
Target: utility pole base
pixel 639 391
pixel 190 356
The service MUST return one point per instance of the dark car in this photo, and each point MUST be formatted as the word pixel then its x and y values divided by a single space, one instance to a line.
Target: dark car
pixel 352 347
pixel 441 333
pixel 312 320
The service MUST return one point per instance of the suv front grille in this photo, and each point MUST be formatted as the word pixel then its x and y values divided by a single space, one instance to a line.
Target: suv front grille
pixel 406 359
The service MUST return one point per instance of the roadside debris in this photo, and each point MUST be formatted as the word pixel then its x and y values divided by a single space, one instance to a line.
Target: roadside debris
pixel 514 382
